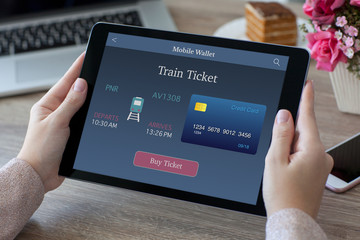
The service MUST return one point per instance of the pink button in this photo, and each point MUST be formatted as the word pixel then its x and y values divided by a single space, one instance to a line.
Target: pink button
pixel 166 164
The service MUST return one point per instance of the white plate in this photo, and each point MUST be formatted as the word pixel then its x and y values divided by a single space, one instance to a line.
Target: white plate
pixel 237 28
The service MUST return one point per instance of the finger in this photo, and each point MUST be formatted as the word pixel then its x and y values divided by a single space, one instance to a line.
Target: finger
pixel 329 162
pixel 72 103
pixel 306 124
pixel 282 137
pixel 56 95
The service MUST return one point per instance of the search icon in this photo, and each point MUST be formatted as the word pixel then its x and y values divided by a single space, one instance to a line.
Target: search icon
pixel 276 61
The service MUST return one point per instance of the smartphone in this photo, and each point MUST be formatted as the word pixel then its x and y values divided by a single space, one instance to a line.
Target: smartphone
pixel 346 171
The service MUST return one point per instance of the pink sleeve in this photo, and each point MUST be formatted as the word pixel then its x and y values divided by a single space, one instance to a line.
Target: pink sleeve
pixel 21 193
pixel 294 224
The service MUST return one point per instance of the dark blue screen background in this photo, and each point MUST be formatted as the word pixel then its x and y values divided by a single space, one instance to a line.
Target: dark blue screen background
pixel 222 173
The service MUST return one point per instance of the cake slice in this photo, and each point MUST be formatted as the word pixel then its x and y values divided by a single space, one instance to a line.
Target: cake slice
pixel 270 22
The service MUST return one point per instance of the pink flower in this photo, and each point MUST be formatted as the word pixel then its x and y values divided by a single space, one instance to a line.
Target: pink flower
pixel 349 52
pixel 355 3
pixel 352 31
pixel 342 46
pixel 325 27
pixel 338 35
pixel 317 27
pixel 357 45
pixel 325 50
pixel 341 21
pixel 322 11
pixel 308 7
pixel 349 42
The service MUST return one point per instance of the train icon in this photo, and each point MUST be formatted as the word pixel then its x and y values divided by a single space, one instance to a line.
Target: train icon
pixel 135 109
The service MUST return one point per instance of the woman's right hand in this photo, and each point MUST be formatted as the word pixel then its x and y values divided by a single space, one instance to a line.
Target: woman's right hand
pixel 296 166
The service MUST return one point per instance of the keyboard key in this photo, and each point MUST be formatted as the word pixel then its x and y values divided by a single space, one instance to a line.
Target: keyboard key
pixel 4 51
pixel 4 43
pixel 8 34
pixel 37 43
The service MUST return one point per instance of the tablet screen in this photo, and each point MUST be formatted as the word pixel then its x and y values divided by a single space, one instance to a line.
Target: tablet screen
pixel 184 116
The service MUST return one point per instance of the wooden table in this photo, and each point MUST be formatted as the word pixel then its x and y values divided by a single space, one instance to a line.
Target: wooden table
pixel 79 210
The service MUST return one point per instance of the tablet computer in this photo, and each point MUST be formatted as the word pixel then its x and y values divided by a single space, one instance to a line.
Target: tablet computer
pixel 181 115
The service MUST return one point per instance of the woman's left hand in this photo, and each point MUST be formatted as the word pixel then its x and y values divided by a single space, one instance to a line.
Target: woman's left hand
pixel 48 129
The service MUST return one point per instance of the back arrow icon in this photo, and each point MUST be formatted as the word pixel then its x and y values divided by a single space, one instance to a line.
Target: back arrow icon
pixel 114 39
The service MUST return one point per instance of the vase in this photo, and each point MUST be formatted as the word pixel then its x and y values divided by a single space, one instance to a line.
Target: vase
pixel 346 88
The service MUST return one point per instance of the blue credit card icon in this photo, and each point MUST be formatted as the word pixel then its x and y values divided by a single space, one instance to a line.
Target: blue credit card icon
pixel 224 123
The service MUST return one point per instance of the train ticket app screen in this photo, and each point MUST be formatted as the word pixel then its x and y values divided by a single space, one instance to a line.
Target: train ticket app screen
pixel 183 116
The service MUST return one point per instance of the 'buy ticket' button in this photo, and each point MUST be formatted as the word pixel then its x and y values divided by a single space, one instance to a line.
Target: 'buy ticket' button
pixel 166 164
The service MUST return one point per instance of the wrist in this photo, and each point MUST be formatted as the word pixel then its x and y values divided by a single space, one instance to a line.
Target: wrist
pixel 25 157
pixel 309 209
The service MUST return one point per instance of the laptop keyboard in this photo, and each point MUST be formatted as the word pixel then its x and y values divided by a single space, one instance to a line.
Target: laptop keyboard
pixel 58 34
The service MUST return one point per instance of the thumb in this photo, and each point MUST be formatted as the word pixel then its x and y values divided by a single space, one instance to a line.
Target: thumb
pixel 282 137
pixel 72 103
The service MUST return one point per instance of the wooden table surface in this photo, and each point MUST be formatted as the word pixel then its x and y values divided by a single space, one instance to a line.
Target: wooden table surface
pixel 79 210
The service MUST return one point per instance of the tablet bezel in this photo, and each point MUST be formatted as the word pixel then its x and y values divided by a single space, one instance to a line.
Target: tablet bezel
pixel 290 97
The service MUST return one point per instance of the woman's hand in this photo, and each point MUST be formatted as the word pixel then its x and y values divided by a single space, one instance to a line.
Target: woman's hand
pixel 49 130
pixel 296 166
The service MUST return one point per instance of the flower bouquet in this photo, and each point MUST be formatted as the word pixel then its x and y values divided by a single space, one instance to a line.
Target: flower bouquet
pixel 334 43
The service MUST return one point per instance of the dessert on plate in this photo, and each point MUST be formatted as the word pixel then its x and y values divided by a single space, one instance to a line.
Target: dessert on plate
pixel 270 22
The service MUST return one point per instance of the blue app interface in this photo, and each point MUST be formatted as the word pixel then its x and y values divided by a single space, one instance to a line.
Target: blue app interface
pixel 184 116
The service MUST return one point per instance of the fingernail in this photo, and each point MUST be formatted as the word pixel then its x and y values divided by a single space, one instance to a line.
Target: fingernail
pixel 79 85
pixel 311 83
pixel 282 116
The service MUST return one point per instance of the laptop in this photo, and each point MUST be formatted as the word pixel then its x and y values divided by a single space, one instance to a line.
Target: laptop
pixel 40 39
